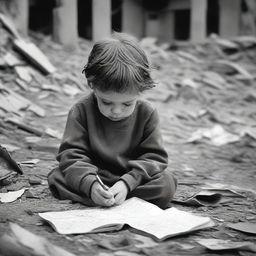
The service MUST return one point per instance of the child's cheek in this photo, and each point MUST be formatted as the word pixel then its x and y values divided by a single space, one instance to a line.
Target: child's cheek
pixel 102 108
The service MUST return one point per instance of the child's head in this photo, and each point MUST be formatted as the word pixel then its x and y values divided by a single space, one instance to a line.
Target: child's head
pixel 117 71
pixel 118 64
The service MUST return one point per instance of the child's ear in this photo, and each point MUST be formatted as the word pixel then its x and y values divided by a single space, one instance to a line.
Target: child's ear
pixel 90 84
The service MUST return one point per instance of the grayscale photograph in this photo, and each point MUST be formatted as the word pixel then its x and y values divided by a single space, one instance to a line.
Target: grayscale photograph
pixel 127 127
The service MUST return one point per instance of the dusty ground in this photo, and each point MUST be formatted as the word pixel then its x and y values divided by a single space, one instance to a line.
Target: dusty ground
pixel 184 107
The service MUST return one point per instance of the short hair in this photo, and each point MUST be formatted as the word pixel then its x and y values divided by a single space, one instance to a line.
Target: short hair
pixel 118 64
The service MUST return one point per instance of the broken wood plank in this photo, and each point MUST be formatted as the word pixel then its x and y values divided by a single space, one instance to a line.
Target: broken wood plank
pixel 24 127
pixel 35 55
pixel 11 162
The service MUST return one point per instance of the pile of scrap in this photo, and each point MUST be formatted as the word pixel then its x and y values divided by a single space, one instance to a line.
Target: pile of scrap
pixel 12 103
pixel 27 71
pixel 207 84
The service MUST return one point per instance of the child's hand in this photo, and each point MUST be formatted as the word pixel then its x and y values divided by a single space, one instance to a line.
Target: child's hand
pixel 120 191
pixel 101 196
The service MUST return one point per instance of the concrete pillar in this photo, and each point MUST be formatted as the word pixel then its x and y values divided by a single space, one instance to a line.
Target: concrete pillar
pixel 152 27
pixel 166 25
pixel 101 19
pixel 230 11
pixel 133 18
pixel 21 17
pixel 198 20
pixel 65 30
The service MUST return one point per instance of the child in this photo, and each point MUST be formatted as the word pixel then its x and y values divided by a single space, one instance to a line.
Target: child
pixel 113 134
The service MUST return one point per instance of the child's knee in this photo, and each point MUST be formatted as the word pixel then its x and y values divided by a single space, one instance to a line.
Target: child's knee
pixel 170 182
pixel 55 180
pixel 168 190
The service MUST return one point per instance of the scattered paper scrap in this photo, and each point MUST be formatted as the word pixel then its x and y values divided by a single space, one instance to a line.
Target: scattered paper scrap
pixel 219 244
pixel 217 135
pixel 11 196
pixel 246 227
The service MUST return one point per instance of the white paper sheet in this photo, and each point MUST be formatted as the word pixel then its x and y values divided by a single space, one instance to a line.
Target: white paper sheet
pixel 135 212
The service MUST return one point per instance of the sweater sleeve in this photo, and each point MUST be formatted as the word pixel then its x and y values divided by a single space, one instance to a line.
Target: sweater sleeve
pixel 74 155
pixel 151 158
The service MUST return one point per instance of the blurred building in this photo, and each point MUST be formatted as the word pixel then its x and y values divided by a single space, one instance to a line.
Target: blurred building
pixel 164 19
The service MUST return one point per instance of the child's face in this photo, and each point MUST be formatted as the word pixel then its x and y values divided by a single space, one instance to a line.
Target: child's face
pixel 116 106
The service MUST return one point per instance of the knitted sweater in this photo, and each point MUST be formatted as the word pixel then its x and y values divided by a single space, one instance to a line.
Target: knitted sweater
pixel 130 150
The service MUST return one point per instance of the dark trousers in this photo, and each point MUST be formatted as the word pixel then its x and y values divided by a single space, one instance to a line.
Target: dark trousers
pixel 159 191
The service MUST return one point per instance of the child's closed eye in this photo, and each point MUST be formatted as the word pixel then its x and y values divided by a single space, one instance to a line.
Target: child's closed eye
pixel 106 103
pixel 127 104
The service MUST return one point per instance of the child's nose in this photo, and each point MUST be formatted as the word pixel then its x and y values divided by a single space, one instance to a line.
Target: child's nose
pixel 117 110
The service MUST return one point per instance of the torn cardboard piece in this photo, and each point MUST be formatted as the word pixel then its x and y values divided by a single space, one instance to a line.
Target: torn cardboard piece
pixel 224 189
pixel 202 198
